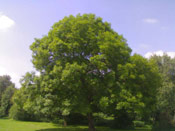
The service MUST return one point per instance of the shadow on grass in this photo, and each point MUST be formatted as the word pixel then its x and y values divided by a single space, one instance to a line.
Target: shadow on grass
pixel 86 129
pixel 64 129
pixel 142 129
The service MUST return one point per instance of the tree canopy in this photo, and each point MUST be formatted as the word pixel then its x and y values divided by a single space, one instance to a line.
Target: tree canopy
pixel 80 56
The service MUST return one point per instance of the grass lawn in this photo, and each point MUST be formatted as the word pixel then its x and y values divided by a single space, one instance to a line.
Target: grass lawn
pixel 12 125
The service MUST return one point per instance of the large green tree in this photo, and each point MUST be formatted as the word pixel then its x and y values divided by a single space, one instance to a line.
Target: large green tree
pixel 79 58
pixel 86 67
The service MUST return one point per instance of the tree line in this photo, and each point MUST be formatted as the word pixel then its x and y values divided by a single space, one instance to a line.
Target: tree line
pixel 88 76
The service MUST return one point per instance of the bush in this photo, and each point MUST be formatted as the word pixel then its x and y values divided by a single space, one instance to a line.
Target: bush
pixel 17 113
pixel 101 119
pixel 58 121
pixel 102 122
pixel 139 123
pixel 123 120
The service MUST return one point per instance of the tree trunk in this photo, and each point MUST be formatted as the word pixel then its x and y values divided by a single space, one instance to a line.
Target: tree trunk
pixel 91 122
pixel 65 123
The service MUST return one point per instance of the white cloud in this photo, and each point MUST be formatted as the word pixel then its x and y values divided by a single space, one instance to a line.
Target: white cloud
pixel 5 22
pixel 159 53
pixel 150 20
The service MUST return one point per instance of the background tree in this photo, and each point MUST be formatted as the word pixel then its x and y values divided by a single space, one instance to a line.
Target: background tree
pixel 139 80
pixel 5 82
pixel 7 89
pixel 6 101
pixel 165 115
pixel 25 99
pixel 34 103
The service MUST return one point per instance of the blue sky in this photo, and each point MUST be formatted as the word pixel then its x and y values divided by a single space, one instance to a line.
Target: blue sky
pixel 148 26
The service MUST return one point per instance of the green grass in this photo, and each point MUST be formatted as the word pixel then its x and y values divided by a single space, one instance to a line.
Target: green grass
pixel 12 125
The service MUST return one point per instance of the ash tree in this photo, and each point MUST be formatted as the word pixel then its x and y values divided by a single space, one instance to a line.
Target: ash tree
pixel 79 56
pixel 85 66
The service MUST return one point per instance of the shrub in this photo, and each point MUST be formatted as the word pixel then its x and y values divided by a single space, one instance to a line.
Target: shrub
pixel 139 123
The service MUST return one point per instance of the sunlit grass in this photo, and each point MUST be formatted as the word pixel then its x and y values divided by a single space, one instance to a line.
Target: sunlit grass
pixel 12 125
